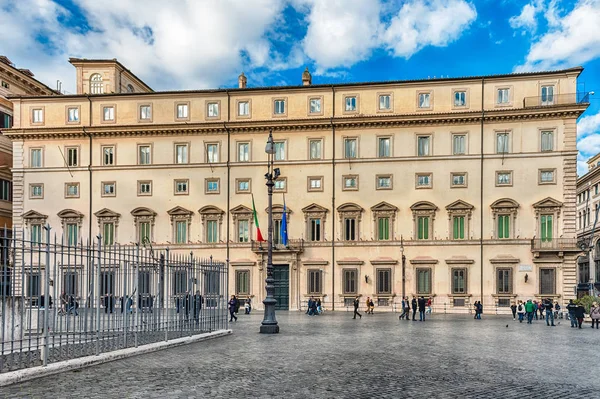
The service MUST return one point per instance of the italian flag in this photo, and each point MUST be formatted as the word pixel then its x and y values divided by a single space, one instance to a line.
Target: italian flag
pixel 259 236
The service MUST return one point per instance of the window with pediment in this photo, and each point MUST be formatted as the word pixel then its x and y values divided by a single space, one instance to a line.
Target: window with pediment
pixel 181 220
pixel 34 224
pixel 144 219
pixel 423 219
pixel 314 219
pixel 212 220
pixel 459 219
pixel 71 222
pixel 504 213
pixel 108 221
pixel 384 217
pixel 277 223
pixel 350 216
pixel 547 213
pixel 242 222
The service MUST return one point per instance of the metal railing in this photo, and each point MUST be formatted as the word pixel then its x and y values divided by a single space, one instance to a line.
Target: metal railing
pixel 62 301
pixel 556 99
pixel 554 244
pixel 293 245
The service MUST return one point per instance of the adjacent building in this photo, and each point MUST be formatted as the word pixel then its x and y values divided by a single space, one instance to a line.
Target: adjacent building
pixel 588 206
pixel 461 189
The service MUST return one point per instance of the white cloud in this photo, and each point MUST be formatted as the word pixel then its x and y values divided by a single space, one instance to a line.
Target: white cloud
pixel 588 140
pixel 569 41
pixel 589 146
pixel 588 124
pixel 527 19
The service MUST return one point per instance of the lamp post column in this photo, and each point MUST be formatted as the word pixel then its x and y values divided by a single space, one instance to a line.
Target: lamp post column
pixel 403 268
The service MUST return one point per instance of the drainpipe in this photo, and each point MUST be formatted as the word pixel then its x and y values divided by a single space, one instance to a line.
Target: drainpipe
pixel 333 200
pixel 89 170
pixel 228 171
pixel 481 193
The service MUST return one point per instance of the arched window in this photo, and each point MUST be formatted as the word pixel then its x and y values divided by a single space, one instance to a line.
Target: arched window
pixel 96 86
pixel 130 88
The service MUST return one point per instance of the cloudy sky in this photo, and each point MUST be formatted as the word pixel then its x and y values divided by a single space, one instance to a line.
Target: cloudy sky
pixel 192 44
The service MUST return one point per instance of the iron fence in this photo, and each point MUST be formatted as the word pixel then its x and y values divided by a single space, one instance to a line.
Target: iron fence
pixel 61 301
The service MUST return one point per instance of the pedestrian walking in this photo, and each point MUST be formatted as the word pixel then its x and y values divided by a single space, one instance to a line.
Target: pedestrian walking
pixel 319 307
pixel 521 311
pixel 530 309
pixel 595 314
pixel 313 308
pixel 557 313
pixel 580 314
pixel 368 305
pixel 413 304
pixel 535 309
pixel 549 306
pixel 422 305
pixel 248 306
pixel 429 301
pixel 356 304
pixel 231 306
pixel 198 301
pixel 513 309
pixel 405 309
pixel 572 308
pixel 309 305
pixel 371 305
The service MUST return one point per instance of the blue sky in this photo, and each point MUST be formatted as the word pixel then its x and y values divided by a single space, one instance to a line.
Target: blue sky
pixel 205 44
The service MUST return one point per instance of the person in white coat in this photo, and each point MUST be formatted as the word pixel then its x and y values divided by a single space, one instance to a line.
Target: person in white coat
pixel 521 311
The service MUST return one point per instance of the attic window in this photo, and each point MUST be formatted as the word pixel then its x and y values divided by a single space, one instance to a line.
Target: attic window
pixel 130 88
pixel 96 86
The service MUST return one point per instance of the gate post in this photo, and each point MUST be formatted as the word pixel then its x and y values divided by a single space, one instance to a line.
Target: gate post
pixel 98 297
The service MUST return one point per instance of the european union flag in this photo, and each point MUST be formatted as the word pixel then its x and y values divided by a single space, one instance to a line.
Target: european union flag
pixel 284 233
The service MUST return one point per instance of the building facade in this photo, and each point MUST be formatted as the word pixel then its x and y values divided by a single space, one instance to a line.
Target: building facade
pixel 588 206
pixel 460 189
pixel 13 81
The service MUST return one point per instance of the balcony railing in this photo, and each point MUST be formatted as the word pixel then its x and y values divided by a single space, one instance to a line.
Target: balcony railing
pixel 557 99
pixel 555 244
pixel 296 245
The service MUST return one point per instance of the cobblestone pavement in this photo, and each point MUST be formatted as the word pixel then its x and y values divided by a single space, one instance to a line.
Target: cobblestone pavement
pixel 334 356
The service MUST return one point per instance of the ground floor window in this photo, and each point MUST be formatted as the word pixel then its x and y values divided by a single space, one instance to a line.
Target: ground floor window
pixel 424 281
pixel 384 281
pixel 179 282
pixel 107 283
pixel 314 282
pixel 584 270
pixel 503 281
pixel 459 281
pixel 547 281
pixel 350 277
pixel 242 282
pixel 70 283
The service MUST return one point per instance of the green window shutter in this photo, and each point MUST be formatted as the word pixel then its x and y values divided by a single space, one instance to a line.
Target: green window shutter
pixel 420 228
pixel 425 228
pixel 455 228
pixel 462 227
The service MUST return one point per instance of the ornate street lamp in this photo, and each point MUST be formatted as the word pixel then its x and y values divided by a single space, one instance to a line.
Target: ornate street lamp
pixel 269 323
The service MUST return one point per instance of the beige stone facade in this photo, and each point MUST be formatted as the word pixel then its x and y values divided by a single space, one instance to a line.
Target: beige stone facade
pixel 472 179
pixel 588 234
pixel 13 81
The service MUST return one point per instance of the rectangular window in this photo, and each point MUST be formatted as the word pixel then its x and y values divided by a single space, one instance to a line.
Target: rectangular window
pixel 315 106
pixel 350 103
pixel 181 227
pixel 109 189
pixel 423 146
pixel 547 140
pixel 107 283
pixel 424 100
pixel 38 116
pixel 108 234
pixel 181 186
pixel 72 156
pixel 34 285
pixel 459 142
pixel 350 148
pixel 242 282
pixel 182 111
pixel 350 183
pixel 5 190
pixel 460 98
pixel 279 150
pixel 243 230
pixel 350 281
pixel 72 190
pixel 212 231
pixel 384 147
pixel 503 226
pixel 280 184
pixel 547 281
pixel 459 281
pixel 277 238
pixel 314 282
pixel 315 229
pixel 213 110
pixel 547 95
pixel 423 281
pixel 145 234
pixel 243 152
pixel 423 180
pixel 180 283
pixel 385 102
pixel 73 114
pixel 144 155
pixel 279 107
pixel 181 153
pixel 458 227
pixel 6 85
pixel 35 160
pixel 503 178
pixel 212 153
pixel 423 227
pixel 584 271
pixel 350 229
pixel 546 227
pixel 502 143
pixel 315 149
pixel 384 281
pixel 145 112
pixel 72 234
pixel 145 187
pixel 384 182
pixel 383 228
pixel 36 191
pixel 108 155
pixel 315 184
pixel 243 108
pixel 504 281
pixel 108 114
pixel 459 179
pixel 503 96
pixel 243 185
pixel 212 186
pixel 36 234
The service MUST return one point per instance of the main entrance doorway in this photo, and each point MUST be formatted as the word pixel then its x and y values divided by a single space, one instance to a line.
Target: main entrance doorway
pixel 281 275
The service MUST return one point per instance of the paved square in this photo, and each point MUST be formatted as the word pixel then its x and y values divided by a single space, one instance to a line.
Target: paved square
pixel 334 356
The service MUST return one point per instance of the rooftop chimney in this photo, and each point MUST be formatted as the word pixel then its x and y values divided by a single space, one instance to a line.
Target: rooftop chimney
pixel 306 78
pixel 242 81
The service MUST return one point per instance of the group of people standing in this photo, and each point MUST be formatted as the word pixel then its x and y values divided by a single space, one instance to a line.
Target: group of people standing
pixel 314 306
pixel 531 308
pixel 422 304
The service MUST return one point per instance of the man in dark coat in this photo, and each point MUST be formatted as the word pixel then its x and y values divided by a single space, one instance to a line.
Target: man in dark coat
pixel 413 304
pixel 422 304
pixel 198 301
pixel 356 304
